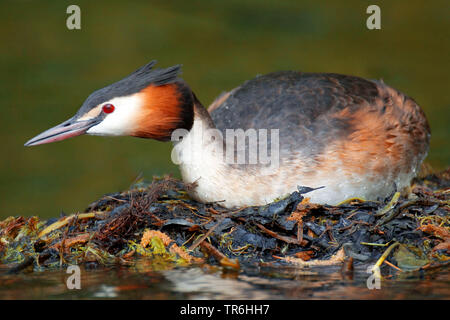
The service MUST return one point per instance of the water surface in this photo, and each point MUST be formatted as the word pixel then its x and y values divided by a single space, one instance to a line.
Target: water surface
pixel 197 283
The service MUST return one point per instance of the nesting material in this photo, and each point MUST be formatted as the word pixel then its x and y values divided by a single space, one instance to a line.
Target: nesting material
pixel 158 221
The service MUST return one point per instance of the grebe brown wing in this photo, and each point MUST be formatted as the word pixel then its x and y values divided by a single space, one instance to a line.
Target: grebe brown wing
pixel 315 110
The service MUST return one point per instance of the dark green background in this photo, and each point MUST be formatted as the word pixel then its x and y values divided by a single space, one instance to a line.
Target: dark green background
pixel 47 71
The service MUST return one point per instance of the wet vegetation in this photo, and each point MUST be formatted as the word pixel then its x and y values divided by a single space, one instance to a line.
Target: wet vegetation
pixel 158 222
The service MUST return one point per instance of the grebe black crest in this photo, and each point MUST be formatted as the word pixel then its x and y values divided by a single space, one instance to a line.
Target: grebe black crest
pixel 351 136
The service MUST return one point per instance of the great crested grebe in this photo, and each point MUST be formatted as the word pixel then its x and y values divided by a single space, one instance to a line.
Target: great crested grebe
pixel 350 136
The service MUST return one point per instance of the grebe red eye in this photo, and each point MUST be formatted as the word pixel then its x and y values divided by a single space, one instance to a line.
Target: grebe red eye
pixel 108 108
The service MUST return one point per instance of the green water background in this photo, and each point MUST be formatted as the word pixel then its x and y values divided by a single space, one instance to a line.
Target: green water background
pixel 47 71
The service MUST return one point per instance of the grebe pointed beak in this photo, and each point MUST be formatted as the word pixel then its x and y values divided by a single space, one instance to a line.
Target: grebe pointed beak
pixel 68 129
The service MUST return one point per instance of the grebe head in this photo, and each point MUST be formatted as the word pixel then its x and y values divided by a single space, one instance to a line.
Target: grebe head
pixel 149 103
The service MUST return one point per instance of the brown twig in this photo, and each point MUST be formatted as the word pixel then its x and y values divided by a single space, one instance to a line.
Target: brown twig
pixel 202 238
pixel 219 256
pixel 286 239
pixel 392 265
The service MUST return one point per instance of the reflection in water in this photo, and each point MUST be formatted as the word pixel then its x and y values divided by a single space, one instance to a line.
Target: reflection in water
pixel 200 283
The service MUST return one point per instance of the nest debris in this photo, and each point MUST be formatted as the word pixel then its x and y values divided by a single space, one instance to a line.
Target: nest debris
pixel 160 222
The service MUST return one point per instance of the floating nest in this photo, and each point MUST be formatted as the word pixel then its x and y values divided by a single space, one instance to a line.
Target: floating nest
pixel 158 222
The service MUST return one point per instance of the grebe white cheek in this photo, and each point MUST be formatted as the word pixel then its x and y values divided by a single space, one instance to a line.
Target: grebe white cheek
pixel 351 136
